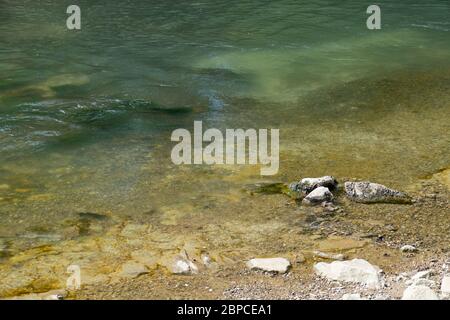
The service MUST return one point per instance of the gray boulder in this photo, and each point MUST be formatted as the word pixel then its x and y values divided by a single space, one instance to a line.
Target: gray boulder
pixel 368 192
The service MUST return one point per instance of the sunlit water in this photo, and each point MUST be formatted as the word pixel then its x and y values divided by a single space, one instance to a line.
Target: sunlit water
pixel 86 116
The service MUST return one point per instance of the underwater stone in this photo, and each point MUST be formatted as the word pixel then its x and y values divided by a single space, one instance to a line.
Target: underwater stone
pixel 184 266
pixel 317 196
pixel 368 192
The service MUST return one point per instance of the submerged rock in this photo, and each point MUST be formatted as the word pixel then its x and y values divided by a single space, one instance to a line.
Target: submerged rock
pixel 280 265
pixel 356 270
pixel 306 185
pixel 368 192
pixel 133 269
pixel 317 196
pixel 419 292
pixel 184 266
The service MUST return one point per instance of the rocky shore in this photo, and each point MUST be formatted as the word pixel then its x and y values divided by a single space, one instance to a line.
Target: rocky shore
pixel 325 240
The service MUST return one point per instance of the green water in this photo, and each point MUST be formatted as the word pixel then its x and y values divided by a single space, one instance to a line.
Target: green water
pixel 86 116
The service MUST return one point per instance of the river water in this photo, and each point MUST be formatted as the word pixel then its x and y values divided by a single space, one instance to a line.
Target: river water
pixel 86 116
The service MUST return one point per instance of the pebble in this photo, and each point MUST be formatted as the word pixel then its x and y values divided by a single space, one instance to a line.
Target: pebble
pixel 408 248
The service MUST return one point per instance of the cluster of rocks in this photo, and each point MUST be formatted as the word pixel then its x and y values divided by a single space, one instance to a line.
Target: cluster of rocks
pixel 421 287
pixel 180 264
pixel 363 274
pixel 319 191
pixel 314 191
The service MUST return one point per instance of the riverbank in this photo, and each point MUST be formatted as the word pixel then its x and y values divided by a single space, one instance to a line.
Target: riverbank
pixel 135 260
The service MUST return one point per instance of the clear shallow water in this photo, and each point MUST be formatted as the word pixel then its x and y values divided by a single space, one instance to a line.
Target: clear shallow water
pixel 86 117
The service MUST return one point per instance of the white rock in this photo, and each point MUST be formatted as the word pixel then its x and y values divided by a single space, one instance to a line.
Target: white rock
pixel 368 192
pixel 415 292
pixel 133 269
pixel 445 286
pixel 408 248
pixel 356 270
pixel 318 195
pixel 351 296
pixel 184 266
pixel 280 265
